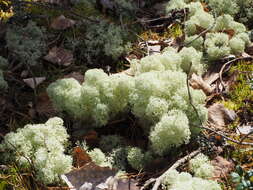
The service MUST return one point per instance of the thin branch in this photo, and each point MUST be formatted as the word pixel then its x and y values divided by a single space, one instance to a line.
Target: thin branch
pixel 228 63
pixel 226 137
pixel 159 180
pixel 246 136
pixel 202 33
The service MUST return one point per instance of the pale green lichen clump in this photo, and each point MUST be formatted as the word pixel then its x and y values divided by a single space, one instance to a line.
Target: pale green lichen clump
pixel 26 43
pixel 170 60
pixel 99 158
pixel 137 159
pixel 160 98
pixel 217 43
pixel 172 130
pixel 106 39
pixel 41 145
pixel 201 166
pixel 184 181
pixel 97 100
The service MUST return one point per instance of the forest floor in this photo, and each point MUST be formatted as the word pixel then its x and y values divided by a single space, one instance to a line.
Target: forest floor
pixel 228 85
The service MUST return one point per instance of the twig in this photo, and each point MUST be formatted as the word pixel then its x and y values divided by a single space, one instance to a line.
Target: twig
pixel 145 41
pixel 202 33
pixel 246 136
pixel 226 137
pixel 159 180
pixel 228 63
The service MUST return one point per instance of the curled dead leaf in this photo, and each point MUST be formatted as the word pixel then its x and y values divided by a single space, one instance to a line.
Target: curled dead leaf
pixel 198 83
pixel 218 115
pixel 80 157
pixel 91 137
pixel 244 130
pixel 62 23
pixel 60 56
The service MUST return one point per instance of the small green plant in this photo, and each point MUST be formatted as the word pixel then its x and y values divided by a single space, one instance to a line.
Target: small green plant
pixel 242 179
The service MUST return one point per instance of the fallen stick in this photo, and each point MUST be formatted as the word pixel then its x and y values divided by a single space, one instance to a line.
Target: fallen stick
pixel 159 180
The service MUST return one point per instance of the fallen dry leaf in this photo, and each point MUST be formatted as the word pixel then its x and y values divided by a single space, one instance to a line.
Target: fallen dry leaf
pixel 244 130
pixel 90 176
pixel 222 167
pixel 218 115
pixel 93 177
pixel 230 32
pixel 91 137
pixel 212 77
pixel 126 184
pixel 76 75
pixel 34 82
pixel 198 83
pixel 62 23
pixel 44 106
pixel 60 56
pixel 80 157
pixel 155 49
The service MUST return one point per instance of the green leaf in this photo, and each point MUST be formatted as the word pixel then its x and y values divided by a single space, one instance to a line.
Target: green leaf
pixel 236 178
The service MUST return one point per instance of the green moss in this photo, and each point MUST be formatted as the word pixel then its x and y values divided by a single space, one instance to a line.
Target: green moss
pixel 176 31
pixel 241 94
